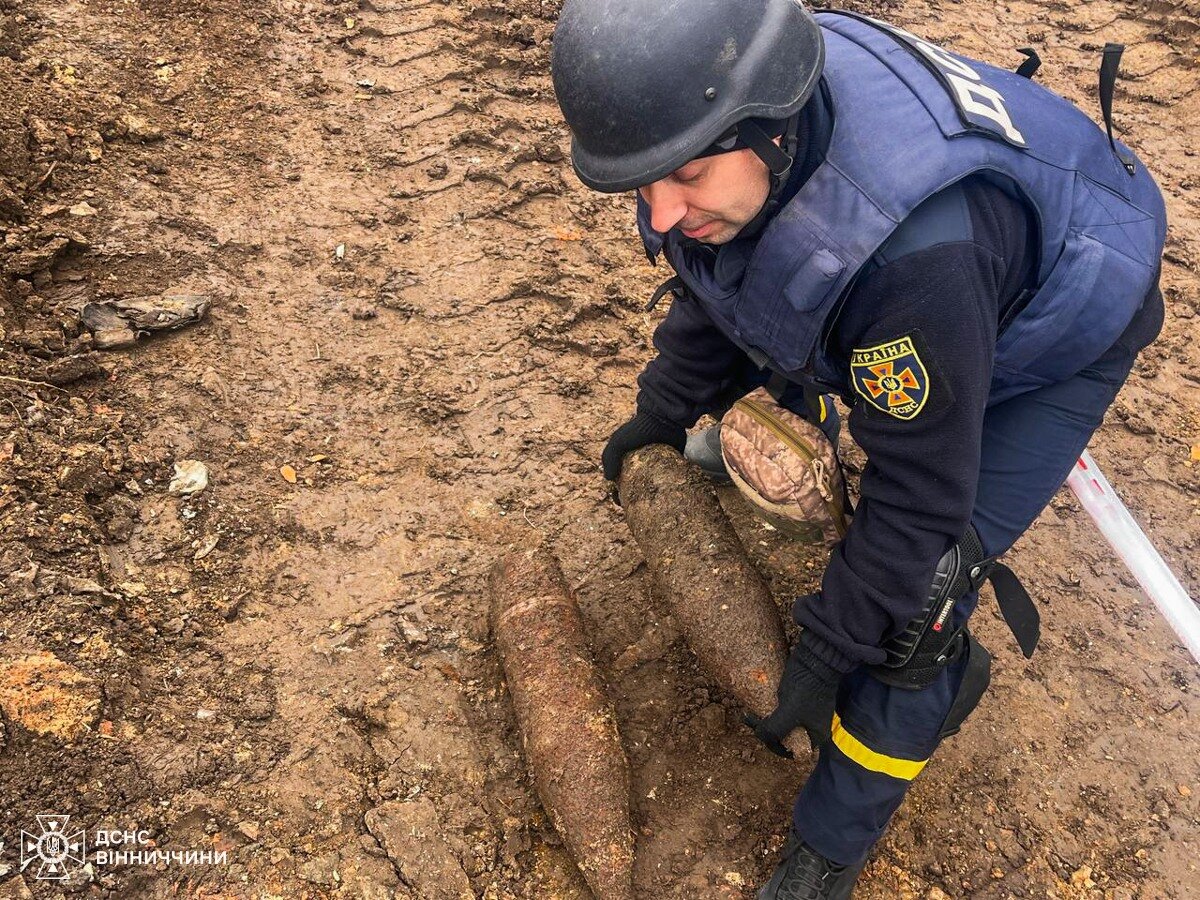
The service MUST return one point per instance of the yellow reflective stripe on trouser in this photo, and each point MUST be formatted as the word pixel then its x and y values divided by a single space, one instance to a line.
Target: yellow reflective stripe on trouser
pixel 904 769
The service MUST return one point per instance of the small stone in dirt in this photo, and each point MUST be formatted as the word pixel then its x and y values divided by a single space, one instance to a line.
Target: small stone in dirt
pixel 82 209
pixel 16 889
pixel 191 477
pixel 413 636
pixel 1069 579
pixel 213 383
pixel 370 845
pixel 43 257
pixel 548 150
pixel 133 589
pixel 139 129
pixel 647 648
pixel 1082 877
pixel 77 585
pixel 936 893
pixel 1184 791
pixel 230 610
pixel 70 369
pixel 119 323
pixel 11 206
pixel 363 311
pixel 206 548
pixel 383 713
pixel 249 829
pixel 412 838
pixel 118 515
pixel 24 582
pixel 257 709
pixel 322 870
pixel 437 170
pixel 47 696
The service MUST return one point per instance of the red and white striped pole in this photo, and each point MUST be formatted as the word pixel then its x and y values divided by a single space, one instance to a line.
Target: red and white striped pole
pixel 1131 544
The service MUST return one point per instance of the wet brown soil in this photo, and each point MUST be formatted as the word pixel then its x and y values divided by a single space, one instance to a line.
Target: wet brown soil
pixel 422 330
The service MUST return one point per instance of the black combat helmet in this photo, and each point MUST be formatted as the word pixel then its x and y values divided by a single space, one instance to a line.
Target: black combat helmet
pixel 647 85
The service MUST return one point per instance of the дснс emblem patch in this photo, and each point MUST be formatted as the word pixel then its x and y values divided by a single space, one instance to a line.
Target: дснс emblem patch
pixel 891 377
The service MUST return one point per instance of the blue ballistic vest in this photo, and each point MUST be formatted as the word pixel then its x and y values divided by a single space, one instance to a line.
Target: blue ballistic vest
pixel 909 120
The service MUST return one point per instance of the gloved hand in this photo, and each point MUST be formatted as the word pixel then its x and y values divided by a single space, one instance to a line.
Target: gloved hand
pixel 640 431
pixel 807 695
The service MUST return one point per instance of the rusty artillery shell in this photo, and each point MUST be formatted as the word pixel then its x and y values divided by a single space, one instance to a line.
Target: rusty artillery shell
pixel 567 724
pixel 698 564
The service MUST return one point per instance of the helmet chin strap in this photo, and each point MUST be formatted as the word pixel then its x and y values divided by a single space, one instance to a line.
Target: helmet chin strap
pixel 778 159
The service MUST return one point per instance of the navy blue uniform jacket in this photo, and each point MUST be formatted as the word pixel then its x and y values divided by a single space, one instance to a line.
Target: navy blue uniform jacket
pixel 950 273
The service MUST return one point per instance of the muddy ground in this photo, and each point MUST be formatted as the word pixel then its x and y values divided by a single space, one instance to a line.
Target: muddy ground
pixel 418 309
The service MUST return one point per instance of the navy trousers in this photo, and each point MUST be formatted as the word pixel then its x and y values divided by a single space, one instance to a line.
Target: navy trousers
pixel 884 736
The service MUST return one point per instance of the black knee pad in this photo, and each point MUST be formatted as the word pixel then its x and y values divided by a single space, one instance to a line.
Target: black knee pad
pixel 929 643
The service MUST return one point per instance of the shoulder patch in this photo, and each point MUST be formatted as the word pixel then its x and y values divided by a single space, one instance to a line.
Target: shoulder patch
pixel 892 377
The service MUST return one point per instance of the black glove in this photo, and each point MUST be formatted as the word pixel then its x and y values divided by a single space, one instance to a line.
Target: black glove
pixel 640 431
pixel 807 695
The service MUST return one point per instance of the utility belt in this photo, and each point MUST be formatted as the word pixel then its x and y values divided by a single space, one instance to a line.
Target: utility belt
pixel 930 642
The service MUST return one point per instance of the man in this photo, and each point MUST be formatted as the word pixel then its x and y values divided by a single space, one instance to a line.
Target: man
pixel 957 252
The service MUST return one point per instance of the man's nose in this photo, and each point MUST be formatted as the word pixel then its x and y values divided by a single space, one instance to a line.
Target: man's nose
pixel 667 206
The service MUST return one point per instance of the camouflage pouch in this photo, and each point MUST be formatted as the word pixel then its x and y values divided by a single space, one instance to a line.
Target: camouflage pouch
pixel 786 467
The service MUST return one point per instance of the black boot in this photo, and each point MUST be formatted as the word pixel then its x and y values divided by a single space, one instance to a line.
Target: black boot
pixel 805 874
pixel 704 449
